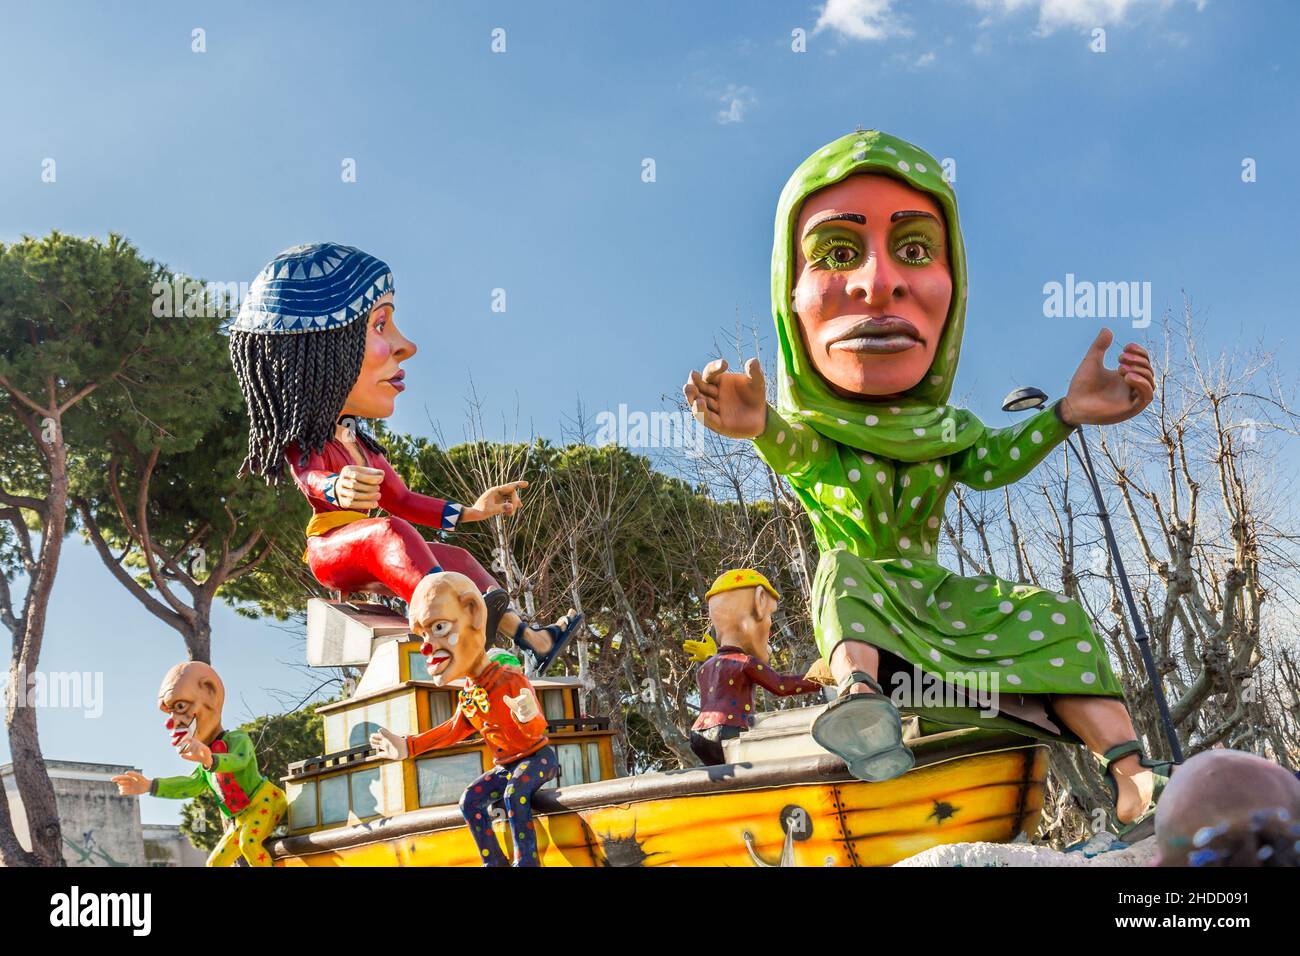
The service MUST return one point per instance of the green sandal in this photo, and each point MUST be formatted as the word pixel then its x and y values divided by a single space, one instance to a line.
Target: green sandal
pixel 1161 770
pixel 865 731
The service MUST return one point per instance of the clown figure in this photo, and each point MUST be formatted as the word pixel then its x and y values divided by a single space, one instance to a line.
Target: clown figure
pixel 869 300
pixel 496 701
pixel 192 696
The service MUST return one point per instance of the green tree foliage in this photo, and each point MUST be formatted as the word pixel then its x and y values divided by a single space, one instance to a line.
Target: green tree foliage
pixel 78 313
pixel 165 509
pixel 81 355
pixel 635 549
pixel 119 410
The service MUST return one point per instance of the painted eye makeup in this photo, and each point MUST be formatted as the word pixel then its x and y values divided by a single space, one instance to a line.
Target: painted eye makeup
pixel 834 252
pixel 915 248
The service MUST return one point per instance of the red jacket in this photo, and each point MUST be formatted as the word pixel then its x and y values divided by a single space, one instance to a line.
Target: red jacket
pixel 482 707
pixel 727 682
pixel 315 478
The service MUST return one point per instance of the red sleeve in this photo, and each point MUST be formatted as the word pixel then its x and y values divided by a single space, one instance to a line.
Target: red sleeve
pixel 537 726
pixel 311 476
pixel 783 685
pixel 402 502
pixel 447 734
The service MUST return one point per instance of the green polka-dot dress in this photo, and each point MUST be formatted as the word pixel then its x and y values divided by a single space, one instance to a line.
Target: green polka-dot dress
pixel 877 525
pixel 874 476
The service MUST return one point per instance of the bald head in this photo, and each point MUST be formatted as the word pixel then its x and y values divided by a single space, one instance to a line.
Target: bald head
pixel 1217 800
pixel 193 694
pixel 191 675
pixel 448 611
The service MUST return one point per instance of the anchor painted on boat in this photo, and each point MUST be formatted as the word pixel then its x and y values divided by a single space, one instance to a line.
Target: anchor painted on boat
pixel 796 824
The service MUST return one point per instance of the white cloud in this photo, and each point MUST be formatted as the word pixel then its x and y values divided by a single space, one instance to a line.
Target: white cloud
pixel 1078 14
pixel 861 19
pixel 735 101
pixel 878 19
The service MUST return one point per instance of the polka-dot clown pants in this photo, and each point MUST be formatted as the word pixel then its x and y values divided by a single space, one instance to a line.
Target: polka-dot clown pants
pixel 251 828
pixel 512 785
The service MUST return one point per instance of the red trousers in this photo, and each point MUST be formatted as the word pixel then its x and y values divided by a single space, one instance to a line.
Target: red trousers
pixel 378 554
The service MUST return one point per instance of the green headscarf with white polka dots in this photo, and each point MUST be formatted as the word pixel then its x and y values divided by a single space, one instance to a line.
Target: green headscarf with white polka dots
pixel 911 428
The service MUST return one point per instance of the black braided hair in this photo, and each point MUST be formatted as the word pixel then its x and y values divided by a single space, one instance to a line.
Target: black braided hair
pixel 295 386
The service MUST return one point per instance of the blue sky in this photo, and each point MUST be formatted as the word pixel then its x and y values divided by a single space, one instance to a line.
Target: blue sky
pixel 522 171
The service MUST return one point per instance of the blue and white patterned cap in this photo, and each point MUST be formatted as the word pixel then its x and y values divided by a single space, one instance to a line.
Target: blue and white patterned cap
pixel 313 288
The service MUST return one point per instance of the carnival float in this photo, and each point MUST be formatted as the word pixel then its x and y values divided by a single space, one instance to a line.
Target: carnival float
pixel 937 692
pixel 781 801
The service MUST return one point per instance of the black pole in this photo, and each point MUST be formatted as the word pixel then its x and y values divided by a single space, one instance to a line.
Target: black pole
pixel 1175 750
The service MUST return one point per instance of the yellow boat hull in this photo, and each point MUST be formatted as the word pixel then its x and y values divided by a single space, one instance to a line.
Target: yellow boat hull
pixel 797 813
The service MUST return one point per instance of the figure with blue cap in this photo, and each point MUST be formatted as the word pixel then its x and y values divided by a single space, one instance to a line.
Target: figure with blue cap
pixel 316 349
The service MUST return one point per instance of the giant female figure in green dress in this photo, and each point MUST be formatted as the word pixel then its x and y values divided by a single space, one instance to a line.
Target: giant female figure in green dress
pixel 869 297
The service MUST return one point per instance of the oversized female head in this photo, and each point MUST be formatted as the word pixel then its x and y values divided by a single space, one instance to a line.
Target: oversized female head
pixel 315 339
pixel 869 297
pixel 873 288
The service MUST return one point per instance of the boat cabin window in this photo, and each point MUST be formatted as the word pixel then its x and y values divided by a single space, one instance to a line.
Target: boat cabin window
pixel 417 668
pixel 442 780
pixel 302 804
pixel 553 704
pixel 579 763
pixel 441 704
pixel 367 793
pixel 334 732
pixel 360 734
pixel 334 799
pixel 359 793
pixel 358 723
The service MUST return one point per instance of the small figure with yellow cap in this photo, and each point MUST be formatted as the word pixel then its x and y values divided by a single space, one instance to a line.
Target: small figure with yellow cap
pixel 741 603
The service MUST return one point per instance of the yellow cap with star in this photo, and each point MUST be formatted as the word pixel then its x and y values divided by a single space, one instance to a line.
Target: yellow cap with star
pixel 741 578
